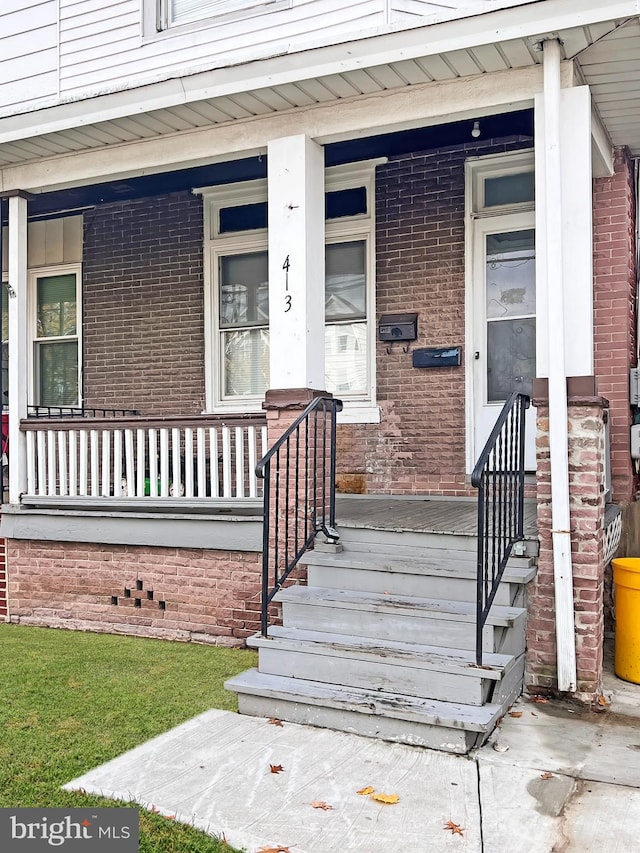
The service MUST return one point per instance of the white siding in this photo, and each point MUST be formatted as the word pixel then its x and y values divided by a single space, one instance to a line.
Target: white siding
pixel 28 51
pixel 444 9
pixel 50 242
pixel 105 47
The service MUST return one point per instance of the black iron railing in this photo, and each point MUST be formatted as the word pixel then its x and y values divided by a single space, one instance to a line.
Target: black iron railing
pixel 299 474
pixel 499 478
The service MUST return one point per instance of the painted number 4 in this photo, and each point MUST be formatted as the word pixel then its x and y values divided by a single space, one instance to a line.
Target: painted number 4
pixel 287 299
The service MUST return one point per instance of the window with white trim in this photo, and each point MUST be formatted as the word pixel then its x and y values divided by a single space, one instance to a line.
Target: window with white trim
pixel 177 13
pixel 236 294
pixel 56 325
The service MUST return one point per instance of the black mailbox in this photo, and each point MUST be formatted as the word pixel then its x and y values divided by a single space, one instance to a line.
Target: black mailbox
pixel 398 327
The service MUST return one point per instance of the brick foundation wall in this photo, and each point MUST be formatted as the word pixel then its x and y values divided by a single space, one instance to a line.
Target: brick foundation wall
pixel 143 305
pixel 3 579
pixel 420 444
pixel 586 486
pixel 614 291
pixel 209 596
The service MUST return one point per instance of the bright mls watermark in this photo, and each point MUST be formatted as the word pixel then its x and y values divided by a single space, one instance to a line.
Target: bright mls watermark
pixel 69 830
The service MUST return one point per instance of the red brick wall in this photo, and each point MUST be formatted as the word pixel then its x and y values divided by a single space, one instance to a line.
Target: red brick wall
pixel 586 503
pixel 144 319
pixel 143 305
pixel 209 596
pixel 3 579
pixel 614 311
pixel 420 444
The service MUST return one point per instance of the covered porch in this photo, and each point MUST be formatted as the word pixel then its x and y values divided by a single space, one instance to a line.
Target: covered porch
pixel 377 181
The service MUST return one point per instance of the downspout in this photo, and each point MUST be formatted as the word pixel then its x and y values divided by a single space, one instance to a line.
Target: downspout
pixel 558 421
pixel 636 187
pixel 2 400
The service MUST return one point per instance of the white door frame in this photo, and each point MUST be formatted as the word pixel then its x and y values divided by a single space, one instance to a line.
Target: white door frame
pixel 477 331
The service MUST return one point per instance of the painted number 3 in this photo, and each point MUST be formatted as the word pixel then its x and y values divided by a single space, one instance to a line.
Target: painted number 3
pixel 287 302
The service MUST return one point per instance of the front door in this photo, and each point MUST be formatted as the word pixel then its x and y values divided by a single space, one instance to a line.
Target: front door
pixel 504 312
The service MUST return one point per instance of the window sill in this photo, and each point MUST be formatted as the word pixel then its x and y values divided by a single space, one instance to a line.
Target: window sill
pixel 359 413
pixel 353 413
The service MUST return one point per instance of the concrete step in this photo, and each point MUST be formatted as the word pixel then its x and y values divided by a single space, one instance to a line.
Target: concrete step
pixel 412 669
pixel 397 547
pixel 382 616
pixel 423 574
pixel 447 726
pixel 358 533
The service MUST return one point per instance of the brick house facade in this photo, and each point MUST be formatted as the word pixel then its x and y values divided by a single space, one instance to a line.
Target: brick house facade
pixel 144 351
pixel 426 108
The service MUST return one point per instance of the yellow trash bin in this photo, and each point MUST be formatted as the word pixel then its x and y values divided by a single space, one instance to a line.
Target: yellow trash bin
pixel 626 578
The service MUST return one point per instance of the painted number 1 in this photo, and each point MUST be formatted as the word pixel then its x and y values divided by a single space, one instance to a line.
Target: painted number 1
pixel 287 299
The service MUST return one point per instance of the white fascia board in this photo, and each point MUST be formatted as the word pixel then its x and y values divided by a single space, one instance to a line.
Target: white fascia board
pixel 421 105
pixel 531 21
pixel 601 148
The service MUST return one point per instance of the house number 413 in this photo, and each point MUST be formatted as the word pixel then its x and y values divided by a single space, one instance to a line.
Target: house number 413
pixel 287 298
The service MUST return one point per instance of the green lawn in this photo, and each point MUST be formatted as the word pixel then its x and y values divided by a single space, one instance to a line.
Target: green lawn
pixel 70 701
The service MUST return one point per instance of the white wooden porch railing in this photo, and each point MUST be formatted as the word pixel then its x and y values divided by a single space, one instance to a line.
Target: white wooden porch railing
pixel 138 458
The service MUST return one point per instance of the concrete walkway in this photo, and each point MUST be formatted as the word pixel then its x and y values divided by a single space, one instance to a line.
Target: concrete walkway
pixel 551 780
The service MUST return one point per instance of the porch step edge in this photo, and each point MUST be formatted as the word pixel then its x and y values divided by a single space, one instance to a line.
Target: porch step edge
pixel 427 608
pixel 475 718
pixel 431 658
pixel 390 561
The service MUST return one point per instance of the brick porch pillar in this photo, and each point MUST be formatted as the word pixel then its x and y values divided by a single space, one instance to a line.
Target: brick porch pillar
pixel 586 430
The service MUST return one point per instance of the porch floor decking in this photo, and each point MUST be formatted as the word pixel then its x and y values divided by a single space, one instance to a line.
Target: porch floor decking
pixel 420 514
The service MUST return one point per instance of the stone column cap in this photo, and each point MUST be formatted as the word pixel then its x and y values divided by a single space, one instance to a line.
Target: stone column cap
pixel 291 398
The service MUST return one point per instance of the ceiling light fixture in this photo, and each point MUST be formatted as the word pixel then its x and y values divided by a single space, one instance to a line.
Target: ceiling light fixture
pixel 475 130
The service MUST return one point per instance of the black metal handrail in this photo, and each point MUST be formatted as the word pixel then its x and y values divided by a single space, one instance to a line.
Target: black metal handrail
pixel 299 474
pixel 499 478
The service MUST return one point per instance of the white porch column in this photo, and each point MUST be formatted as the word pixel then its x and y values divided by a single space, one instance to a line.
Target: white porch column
pixel 296 263
pixel 553 204
pixel 575 128
pixel 18 346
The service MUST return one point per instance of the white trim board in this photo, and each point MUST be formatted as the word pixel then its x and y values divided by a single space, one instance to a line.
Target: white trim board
pixel 403 41
pixel 421 105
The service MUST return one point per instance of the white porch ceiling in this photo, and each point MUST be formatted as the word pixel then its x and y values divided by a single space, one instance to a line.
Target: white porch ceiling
pixel 607 56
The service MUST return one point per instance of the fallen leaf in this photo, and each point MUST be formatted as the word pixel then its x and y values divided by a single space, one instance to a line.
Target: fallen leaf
pixel 515 714
pixel 276 768
pixel 320 804
pixel 533 714
pixel 367 790
pixel 279 849
pixel 602 701
pixel 455 828
pixel 540 700
pixel 387 799
pixel 546 775
pixel 275 722
pixel 170 817
pixel 500 747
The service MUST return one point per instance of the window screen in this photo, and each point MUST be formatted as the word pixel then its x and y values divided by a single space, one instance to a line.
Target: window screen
pixel 56 345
